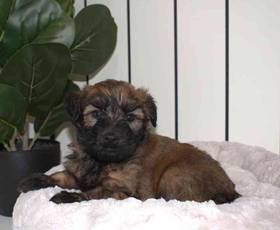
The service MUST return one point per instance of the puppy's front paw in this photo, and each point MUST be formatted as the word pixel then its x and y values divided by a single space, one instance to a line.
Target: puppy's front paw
pixel 34 182
pixel 67 197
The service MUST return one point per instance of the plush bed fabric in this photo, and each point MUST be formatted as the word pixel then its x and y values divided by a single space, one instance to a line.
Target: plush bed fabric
pixel 255 171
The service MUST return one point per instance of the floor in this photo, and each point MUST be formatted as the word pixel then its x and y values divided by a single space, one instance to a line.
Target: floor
pixel 5 223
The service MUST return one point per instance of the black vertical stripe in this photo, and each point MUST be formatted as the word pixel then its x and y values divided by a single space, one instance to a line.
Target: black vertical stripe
pixel 176 67
pixel 128 40
pixel 227 69
pixel 87 77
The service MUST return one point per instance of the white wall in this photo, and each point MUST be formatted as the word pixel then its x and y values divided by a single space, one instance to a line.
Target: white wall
pixel 152 56
pixel 201 56
pixel 254 67
pixel 255 72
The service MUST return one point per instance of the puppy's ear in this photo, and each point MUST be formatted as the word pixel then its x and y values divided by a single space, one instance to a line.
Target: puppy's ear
pixel 72 103
pixel 151 108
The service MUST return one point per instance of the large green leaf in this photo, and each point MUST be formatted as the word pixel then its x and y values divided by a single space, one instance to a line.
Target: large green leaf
pixel 36 21
pixel 39 72
pixel 67 6
pixel 12 111
pixel 95 39
pixel 56 116
pixel 5 9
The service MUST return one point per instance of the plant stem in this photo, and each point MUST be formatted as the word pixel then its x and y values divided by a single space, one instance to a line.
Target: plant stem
pixel 37 135
pixel 1 36
pixel 7 147
pixel 12 142
pixel 25 136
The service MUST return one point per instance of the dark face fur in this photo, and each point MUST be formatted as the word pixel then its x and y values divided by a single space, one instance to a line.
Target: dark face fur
pixel 112 119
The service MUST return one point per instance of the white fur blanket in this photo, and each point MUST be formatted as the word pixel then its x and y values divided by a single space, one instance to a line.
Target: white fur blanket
pixel 255 171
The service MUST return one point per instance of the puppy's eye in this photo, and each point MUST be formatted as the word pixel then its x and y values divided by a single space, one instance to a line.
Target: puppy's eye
pixel 96 113
pixel 130 117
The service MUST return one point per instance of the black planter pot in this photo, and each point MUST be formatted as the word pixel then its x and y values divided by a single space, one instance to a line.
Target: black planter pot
pixel 14 166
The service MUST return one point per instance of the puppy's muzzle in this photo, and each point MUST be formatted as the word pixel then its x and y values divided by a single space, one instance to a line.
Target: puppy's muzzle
pixel 109 140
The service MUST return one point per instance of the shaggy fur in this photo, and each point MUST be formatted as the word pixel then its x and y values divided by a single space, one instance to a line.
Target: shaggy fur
pixel 117 155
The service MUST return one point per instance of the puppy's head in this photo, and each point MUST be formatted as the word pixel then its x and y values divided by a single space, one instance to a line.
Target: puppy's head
pixel 112 119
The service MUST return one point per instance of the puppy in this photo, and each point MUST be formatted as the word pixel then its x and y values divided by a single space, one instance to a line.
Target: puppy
pixel 117 154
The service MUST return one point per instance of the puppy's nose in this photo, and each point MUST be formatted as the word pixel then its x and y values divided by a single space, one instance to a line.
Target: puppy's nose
pixel 110 139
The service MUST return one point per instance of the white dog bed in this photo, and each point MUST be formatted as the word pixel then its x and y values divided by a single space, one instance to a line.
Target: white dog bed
pixel 255 171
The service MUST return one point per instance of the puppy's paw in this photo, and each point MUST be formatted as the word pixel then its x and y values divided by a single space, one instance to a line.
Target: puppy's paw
pixel 34 182
pixel 67 197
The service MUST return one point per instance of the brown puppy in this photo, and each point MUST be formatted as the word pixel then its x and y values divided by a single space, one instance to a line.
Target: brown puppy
pixel 119 156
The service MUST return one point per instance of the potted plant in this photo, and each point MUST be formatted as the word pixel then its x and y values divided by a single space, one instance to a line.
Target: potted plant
pixel 42 49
